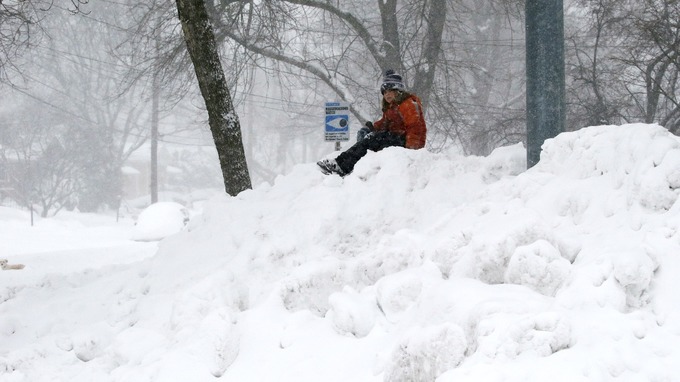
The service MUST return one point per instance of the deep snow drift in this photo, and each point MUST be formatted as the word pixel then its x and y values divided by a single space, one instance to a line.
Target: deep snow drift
pixel 416 267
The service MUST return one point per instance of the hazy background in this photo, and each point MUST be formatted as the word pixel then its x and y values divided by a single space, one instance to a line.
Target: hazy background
pixel 79 82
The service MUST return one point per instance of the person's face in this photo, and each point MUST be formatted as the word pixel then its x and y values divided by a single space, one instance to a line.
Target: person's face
pixel 390 95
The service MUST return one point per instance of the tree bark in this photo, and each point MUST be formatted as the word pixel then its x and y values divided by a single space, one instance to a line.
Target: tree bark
pixel 391 45
pixel 222 118
pixel 432 46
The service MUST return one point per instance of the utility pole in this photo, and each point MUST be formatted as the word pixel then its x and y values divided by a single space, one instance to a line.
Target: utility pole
pixel 154 140
pixel 546 108
pixel 155 98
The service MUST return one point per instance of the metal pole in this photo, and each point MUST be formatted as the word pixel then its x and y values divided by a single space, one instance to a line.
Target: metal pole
pixel 545 74
pixel 153 166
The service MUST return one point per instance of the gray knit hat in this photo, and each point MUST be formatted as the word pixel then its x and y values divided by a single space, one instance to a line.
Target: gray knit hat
pixel 392 81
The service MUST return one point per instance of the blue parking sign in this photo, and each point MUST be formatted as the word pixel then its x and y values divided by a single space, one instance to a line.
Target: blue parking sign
pixel 337 122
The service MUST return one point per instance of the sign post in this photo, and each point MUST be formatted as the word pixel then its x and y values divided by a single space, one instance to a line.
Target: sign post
pixel 337 123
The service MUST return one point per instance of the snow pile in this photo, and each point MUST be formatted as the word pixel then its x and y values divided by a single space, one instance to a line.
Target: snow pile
pixel 160 220
pixel 416 267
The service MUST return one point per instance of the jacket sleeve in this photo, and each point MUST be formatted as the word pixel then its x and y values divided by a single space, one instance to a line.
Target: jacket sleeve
pixel 414 122
pixel 379 124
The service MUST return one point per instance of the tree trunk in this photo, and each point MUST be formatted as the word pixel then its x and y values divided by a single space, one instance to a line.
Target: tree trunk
pixel 432 46
pixel 222 118
pixel 391 43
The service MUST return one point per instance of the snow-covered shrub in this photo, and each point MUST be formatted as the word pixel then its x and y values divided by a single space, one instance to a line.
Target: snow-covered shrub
pixel 659 184
pixel 641 160
pixel 634 270
pixel 310 289
pixel 538 266
pixel 507 335
pixel 488 256
pixel 505 161
pixel 352 313
pixel 423 354
pixel 396 293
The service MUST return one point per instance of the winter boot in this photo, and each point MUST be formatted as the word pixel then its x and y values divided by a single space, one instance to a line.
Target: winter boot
pixel 330 166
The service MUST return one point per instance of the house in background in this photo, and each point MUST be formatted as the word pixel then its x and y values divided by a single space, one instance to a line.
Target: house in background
pixel 135 184
pixel 182 172
pixel 136 173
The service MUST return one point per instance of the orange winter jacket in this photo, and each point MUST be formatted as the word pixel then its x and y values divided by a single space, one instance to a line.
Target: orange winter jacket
pixel 404 116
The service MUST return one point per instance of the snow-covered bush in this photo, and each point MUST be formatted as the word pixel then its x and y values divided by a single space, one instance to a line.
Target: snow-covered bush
pixel 423 354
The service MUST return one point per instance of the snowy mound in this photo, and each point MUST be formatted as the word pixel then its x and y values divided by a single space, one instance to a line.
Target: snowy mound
pixel 160 220
pixel 416 267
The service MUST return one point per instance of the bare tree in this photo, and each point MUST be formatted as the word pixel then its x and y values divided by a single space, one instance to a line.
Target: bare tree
pixel 357 36
pixel 624 63
pixel 20 23
pixel 471 89
pixel 71 78
pixel 85 91
pixel 40 169
pixel 464 58
pixel 590 68
pixel 486 106
pixel 658 59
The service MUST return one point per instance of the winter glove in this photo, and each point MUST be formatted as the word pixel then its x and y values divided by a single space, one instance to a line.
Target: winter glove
pixel 369 125
pixel 362 133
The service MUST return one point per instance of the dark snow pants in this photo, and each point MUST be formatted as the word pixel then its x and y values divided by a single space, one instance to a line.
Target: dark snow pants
pixel 374 141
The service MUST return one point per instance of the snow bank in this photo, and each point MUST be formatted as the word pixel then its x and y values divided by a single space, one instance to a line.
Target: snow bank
pixel 416 267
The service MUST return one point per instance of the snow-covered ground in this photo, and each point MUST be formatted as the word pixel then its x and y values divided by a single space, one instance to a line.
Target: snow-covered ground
pixel 416 267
